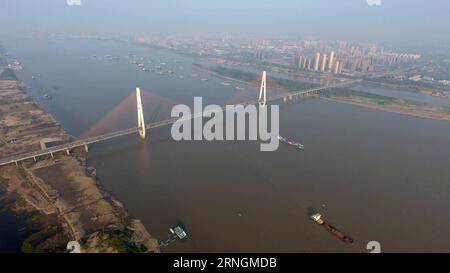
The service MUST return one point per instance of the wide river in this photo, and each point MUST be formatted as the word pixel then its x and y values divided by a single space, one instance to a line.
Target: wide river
pixel 375 175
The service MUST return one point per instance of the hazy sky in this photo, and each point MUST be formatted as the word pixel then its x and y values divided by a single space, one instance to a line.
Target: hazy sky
pixel 394 21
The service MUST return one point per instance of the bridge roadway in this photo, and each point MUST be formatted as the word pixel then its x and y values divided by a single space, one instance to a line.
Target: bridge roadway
pixel 86 141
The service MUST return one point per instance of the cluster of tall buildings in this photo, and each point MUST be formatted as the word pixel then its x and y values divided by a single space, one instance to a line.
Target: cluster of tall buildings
pixel 262 55
pixel 320 62
pixel 351 61
pixel 391 58
pixel 346 56
pixel 313 55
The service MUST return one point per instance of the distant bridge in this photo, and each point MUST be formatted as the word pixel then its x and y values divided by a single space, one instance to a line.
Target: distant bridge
pixel 84 142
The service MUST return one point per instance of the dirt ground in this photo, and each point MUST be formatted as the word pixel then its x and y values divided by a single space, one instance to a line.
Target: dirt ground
pixel 62 187
pixel 398 106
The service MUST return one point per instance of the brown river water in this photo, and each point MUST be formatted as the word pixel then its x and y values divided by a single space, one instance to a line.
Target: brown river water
pixel 376 176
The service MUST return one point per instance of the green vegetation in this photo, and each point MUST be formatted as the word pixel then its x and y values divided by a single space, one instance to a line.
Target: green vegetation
pixel 19 203
pixel 289 85
pixel 33 119
pixel 22 86
pixel 33 220
pixel 35 242
pixel 235 73
pixel 40 237
pixel 8 74
pixel 343 92
pixel 121 241
pixel 9 101
pixel 408 83
pixel 381 102
pixel 5 101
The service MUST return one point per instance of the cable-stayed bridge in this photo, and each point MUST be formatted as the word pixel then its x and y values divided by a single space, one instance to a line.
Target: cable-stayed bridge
pixel 142 127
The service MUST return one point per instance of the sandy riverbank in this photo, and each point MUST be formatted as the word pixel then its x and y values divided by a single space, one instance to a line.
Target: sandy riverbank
pixel 396 106
pixel 390 105
pixel 440 93
pixel 63 186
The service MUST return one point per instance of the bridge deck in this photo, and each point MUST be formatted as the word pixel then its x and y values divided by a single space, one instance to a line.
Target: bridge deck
pixel 87 141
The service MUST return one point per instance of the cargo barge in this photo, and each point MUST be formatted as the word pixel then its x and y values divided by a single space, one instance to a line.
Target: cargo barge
pixel 317 217
pixel 291 142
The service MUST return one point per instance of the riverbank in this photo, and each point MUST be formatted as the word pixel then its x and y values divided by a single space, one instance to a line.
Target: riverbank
pixel 415 89
pixel 343 95
pixel 395 106
pixel 65 194
pixel 245 77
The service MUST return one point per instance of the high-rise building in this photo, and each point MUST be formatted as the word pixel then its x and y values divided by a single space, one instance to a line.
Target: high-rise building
pixel 304 62
pixel 330 63
pixel 336 67
pixel 324 62
pixel 316 61
pixel 353 65
pixel 300 61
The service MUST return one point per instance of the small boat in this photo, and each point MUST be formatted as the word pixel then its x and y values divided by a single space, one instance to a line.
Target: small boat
pixel 176 233
pixel 47 96
pixel 291 142
pixel 179 232
pixel 317 217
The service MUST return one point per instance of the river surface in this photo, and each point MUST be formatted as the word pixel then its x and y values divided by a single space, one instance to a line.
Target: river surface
pixel 405 95
pixel 375 175
pixel 13 228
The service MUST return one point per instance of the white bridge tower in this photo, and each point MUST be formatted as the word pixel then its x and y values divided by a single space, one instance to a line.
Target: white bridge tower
pixel 262 91
pixel 140 114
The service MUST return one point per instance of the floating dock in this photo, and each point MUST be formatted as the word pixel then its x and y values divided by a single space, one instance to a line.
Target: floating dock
pixel 177 233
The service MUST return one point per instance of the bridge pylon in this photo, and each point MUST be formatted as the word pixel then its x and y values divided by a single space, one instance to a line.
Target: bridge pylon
pixel 262 91
pixel 140 114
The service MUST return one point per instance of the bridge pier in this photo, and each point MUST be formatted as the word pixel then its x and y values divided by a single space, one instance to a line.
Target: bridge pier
pixel 142 127
pixel 34 158
pixel 140 114
pixel 262 91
